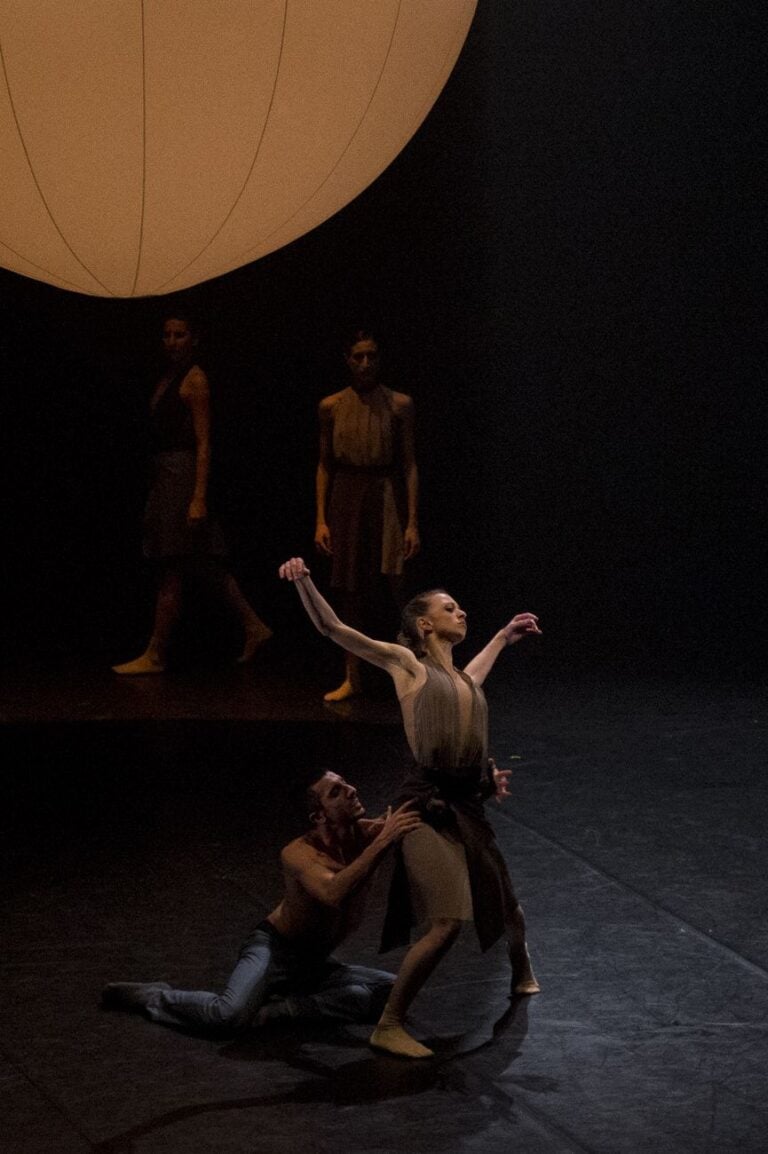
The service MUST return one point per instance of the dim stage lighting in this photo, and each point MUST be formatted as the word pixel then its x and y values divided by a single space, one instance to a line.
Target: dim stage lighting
pixel 148 145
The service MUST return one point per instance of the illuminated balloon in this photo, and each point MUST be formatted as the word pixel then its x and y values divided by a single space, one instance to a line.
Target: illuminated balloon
pixel 148 145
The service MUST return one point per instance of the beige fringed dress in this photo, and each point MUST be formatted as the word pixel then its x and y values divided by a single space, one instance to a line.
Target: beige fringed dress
pixel 364 516
pixel 451 867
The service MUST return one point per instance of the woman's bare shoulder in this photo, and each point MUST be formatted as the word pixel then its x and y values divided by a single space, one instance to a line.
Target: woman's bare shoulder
pixel 411 674
pixel 329 403
pixel 195 383
pixel 401 401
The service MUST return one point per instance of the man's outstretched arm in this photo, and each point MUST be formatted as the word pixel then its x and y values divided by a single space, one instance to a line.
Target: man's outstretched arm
pixel 330 887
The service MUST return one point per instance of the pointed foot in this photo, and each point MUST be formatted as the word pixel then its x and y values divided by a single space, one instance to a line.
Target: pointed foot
pixel 525 987
pixel 144 664
pixel 254 639
pixel 523 982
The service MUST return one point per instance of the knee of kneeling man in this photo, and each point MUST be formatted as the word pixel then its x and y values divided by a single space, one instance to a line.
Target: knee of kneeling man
pixel 232 1017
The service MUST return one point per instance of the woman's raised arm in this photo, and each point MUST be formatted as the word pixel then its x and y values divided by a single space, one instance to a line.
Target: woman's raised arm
pixel 397 660
pixel 483 662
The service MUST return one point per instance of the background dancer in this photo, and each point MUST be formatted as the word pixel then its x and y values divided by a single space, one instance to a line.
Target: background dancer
pixel 179 535
pixel 285 969
pixel 455 870
pixel 366 492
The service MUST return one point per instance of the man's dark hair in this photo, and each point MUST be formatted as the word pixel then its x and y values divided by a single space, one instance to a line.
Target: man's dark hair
pixel 354 335
pixel 311 799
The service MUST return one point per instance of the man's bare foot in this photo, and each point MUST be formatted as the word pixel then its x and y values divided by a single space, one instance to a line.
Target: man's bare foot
pixel 147 663
pixel 132 996
pixel 346 689
pixel 396 1040
pixel 254 639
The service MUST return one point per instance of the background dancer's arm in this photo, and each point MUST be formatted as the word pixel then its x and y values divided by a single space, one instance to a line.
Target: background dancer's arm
pixel 482 664
pixel 323 541
pixel 195 393
pixel 329 886
pixel 411 539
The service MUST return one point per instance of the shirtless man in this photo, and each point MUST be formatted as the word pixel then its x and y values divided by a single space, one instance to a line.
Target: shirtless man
pixel 285 970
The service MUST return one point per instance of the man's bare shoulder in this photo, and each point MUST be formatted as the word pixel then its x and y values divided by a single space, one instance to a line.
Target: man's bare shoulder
pixel 298 852
pixel 302 852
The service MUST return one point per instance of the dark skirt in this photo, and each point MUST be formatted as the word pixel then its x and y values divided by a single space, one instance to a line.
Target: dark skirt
pixel 167 532
pixel 451 801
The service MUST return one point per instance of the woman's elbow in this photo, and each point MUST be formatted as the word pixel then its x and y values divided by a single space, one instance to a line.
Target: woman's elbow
pixel 331 629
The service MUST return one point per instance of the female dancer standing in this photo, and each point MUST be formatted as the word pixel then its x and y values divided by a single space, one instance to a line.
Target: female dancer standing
pixel 178 533
pixel 455 870
pixel 366 488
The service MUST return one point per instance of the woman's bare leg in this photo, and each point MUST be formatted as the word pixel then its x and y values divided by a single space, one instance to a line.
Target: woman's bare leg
pixel 256 632
pixel 523 979
pixel 351 613
pixel 167 610
pixel 418 964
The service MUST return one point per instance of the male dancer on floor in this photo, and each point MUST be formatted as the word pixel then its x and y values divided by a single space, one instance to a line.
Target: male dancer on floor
pixel 285 970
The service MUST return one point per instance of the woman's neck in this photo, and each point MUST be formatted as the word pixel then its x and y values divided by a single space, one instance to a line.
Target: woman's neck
pixel 440 652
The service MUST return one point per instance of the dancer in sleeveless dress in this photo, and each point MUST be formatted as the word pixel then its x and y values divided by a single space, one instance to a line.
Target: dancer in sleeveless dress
pixel 366 491
pixel 452 870
pixel 179 535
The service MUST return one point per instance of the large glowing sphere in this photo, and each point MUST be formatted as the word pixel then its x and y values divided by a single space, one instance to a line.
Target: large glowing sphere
pixel 148 145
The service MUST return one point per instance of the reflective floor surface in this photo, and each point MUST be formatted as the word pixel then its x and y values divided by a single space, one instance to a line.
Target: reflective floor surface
pixel 141 827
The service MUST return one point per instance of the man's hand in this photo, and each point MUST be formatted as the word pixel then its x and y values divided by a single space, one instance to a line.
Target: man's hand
pixel 411 542
pixel 396 825
pixel 323 540
pixel 520 626
pixel 293 570
pixel 500 780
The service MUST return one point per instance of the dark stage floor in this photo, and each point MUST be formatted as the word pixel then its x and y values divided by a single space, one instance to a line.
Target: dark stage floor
pixel 141 826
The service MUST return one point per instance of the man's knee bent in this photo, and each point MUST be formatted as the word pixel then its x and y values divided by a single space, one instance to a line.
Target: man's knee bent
pixel 230 1016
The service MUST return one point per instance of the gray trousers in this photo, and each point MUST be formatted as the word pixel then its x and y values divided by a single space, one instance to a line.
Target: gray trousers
pixel 273 976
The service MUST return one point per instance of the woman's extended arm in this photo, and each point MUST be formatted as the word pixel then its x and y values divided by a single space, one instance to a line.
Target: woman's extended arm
pixel 483 662
pixel 398 661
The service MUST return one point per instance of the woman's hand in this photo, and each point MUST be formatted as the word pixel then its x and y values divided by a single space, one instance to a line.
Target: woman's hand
pixel 520 626
pixel 500 780
pixel 293 570
pixel 198 510
pixel 411 542
pixel 323 540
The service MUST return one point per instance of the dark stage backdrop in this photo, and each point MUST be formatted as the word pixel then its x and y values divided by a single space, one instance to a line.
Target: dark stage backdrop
pixel 566 265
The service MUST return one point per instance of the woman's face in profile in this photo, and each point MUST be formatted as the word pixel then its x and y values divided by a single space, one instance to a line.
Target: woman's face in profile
pixel 363 363
pixel 178 340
